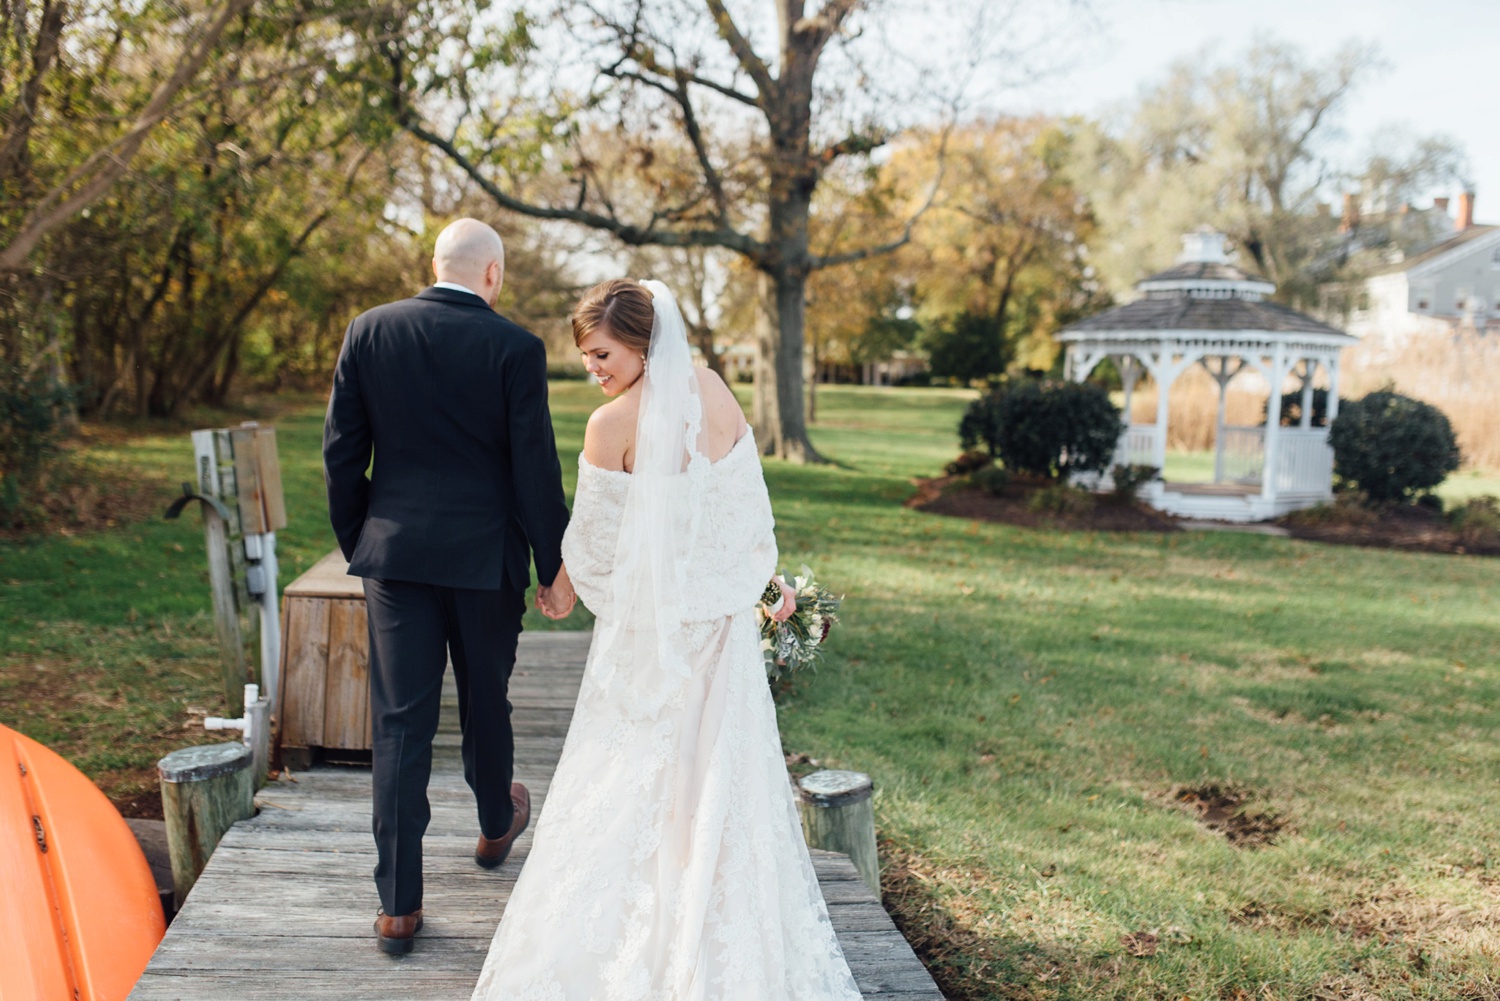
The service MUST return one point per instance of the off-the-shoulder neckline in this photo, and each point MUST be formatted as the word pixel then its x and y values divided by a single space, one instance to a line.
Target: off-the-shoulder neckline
pixel 748 435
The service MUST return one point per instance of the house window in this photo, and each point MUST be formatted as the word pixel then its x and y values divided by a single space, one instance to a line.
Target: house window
pixel 1423 299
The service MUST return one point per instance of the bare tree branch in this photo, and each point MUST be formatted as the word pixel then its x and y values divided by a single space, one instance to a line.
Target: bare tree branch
pixel 628 233
pixel 738 44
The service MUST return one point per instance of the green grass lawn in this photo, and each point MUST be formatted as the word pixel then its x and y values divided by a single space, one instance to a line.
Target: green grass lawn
pixel 1027 702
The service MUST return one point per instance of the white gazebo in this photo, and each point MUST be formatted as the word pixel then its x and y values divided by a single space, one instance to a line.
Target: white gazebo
pixel 1205 311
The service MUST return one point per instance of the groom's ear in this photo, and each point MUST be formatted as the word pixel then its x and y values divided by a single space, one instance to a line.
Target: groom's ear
pixel 434 267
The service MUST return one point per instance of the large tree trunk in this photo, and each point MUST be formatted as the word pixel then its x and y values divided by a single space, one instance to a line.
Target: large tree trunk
pixel 790 436
pixel 762 407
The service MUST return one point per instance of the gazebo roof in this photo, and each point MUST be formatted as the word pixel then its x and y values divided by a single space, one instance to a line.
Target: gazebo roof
pixel 1204 295
pixel 1187 313
pixel 1198 270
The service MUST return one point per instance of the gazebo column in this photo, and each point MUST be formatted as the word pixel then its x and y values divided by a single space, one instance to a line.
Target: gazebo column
pixel 1130 374
pixel 1222 377
pixel 1163 371
pixel 1273 424
pixel 1309 369
pixel 1333 388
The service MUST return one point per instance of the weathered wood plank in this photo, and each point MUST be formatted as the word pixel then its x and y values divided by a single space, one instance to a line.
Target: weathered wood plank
pixel 327 578
pixel 346 713
pixel 304 660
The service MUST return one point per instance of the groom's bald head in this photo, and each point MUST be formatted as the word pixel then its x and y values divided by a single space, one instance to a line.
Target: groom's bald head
pixel 469 253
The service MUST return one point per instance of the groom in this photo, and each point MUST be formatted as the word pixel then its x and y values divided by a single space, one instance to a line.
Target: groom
pixel 451 399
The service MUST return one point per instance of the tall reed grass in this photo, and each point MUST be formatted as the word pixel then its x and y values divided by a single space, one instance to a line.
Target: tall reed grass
pixel 1457 372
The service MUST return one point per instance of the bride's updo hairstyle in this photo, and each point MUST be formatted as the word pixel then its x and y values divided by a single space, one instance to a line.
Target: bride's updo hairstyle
pixel 621 306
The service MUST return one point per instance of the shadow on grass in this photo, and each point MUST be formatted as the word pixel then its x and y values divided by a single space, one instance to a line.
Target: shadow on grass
pixel 968 965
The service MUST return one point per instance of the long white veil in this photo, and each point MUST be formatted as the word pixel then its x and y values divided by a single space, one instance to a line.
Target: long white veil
pixel 660 522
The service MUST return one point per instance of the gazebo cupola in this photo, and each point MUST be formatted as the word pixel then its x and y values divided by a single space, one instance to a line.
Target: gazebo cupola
pixel 1206 311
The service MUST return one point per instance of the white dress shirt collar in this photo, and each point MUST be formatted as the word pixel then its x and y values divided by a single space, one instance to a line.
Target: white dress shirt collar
pixel 455 286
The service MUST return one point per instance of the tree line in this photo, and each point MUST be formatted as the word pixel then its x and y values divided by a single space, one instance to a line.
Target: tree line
pixel 196 197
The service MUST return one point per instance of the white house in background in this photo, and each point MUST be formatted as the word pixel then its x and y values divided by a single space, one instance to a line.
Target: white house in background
pixel 1450 284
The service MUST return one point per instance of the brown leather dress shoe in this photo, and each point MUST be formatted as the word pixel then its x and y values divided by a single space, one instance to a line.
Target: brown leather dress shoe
pixel 492 851
pixel 395 934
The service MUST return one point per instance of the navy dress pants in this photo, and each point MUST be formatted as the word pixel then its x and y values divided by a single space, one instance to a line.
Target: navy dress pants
pixel 414 630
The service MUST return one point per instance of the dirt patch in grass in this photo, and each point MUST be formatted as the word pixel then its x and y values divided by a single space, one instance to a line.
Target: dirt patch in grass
pixel 1407 527
pixel 956 497
pixel 1224 809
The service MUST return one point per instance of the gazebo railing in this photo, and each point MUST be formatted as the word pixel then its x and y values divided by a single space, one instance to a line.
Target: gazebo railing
pixel 1137 446
pixel 1244 455
pixel 1304 460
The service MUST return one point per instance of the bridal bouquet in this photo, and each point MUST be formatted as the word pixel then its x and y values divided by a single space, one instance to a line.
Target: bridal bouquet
pixel 796 643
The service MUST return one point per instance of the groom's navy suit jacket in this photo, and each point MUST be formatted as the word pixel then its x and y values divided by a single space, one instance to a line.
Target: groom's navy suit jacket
pixel 451 399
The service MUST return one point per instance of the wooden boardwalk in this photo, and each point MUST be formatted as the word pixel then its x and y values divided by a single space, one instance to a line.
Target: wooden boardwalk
pixel 283 910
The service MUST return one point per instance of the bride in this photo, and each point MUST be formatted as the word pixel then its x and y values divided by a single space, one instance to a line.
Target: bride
pixel 668 863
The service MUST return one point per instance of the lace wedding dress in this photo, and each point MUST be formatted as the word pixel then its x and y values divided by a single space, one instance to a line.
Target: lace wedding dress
pixel 668 862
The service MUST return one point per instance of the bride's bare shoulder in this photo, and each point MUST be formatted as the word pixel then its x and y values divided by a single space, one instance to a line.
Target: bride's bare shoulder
pixel 610 435
pixel 722 412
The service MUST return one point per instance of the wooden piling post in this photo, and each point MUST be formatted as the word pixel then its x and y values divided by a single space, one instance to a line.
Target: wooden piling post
pixel 838 814
pixel 217 536
pixel 204 791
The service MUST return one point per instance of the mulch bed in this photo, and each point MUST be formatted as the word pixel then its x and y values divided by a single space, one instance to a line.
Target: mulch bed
pixel 1409 527
pixel 956 497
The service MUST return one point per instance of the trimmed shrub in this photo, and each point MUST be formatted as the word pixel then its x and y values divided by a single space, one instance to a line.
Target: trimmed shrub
pixel 1392 446
pixel 1045 428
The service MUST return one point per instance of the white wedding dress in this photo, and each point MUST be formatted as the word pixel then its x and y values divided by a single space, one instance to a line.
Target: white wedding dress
pixel 668 862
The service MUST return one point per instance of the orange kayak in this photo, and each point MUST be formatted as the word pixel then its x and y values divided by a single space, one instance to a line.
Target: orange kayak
pixel 79 907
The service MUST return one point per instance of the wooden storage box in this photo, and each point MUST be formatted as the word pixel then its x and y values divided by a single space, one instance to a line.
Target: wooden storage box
pixel 325 666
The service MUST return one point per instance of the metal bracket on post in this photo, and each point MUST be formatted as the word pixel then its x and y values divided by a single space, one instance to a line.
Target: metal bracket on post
pixel 216 521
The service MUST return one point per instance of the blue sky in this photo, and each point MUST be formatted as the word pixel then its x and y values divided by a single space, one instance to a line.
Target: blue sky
pixel 1441 76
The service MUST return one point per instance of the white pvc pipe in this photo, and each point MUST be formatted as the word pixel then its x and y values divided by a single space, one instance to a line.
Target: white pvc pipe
pixel 270 621
pixel 252 696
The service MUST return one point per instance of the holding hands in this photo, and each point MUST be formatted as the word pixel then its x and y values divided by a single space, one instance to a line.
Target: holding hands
pixel 556 601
